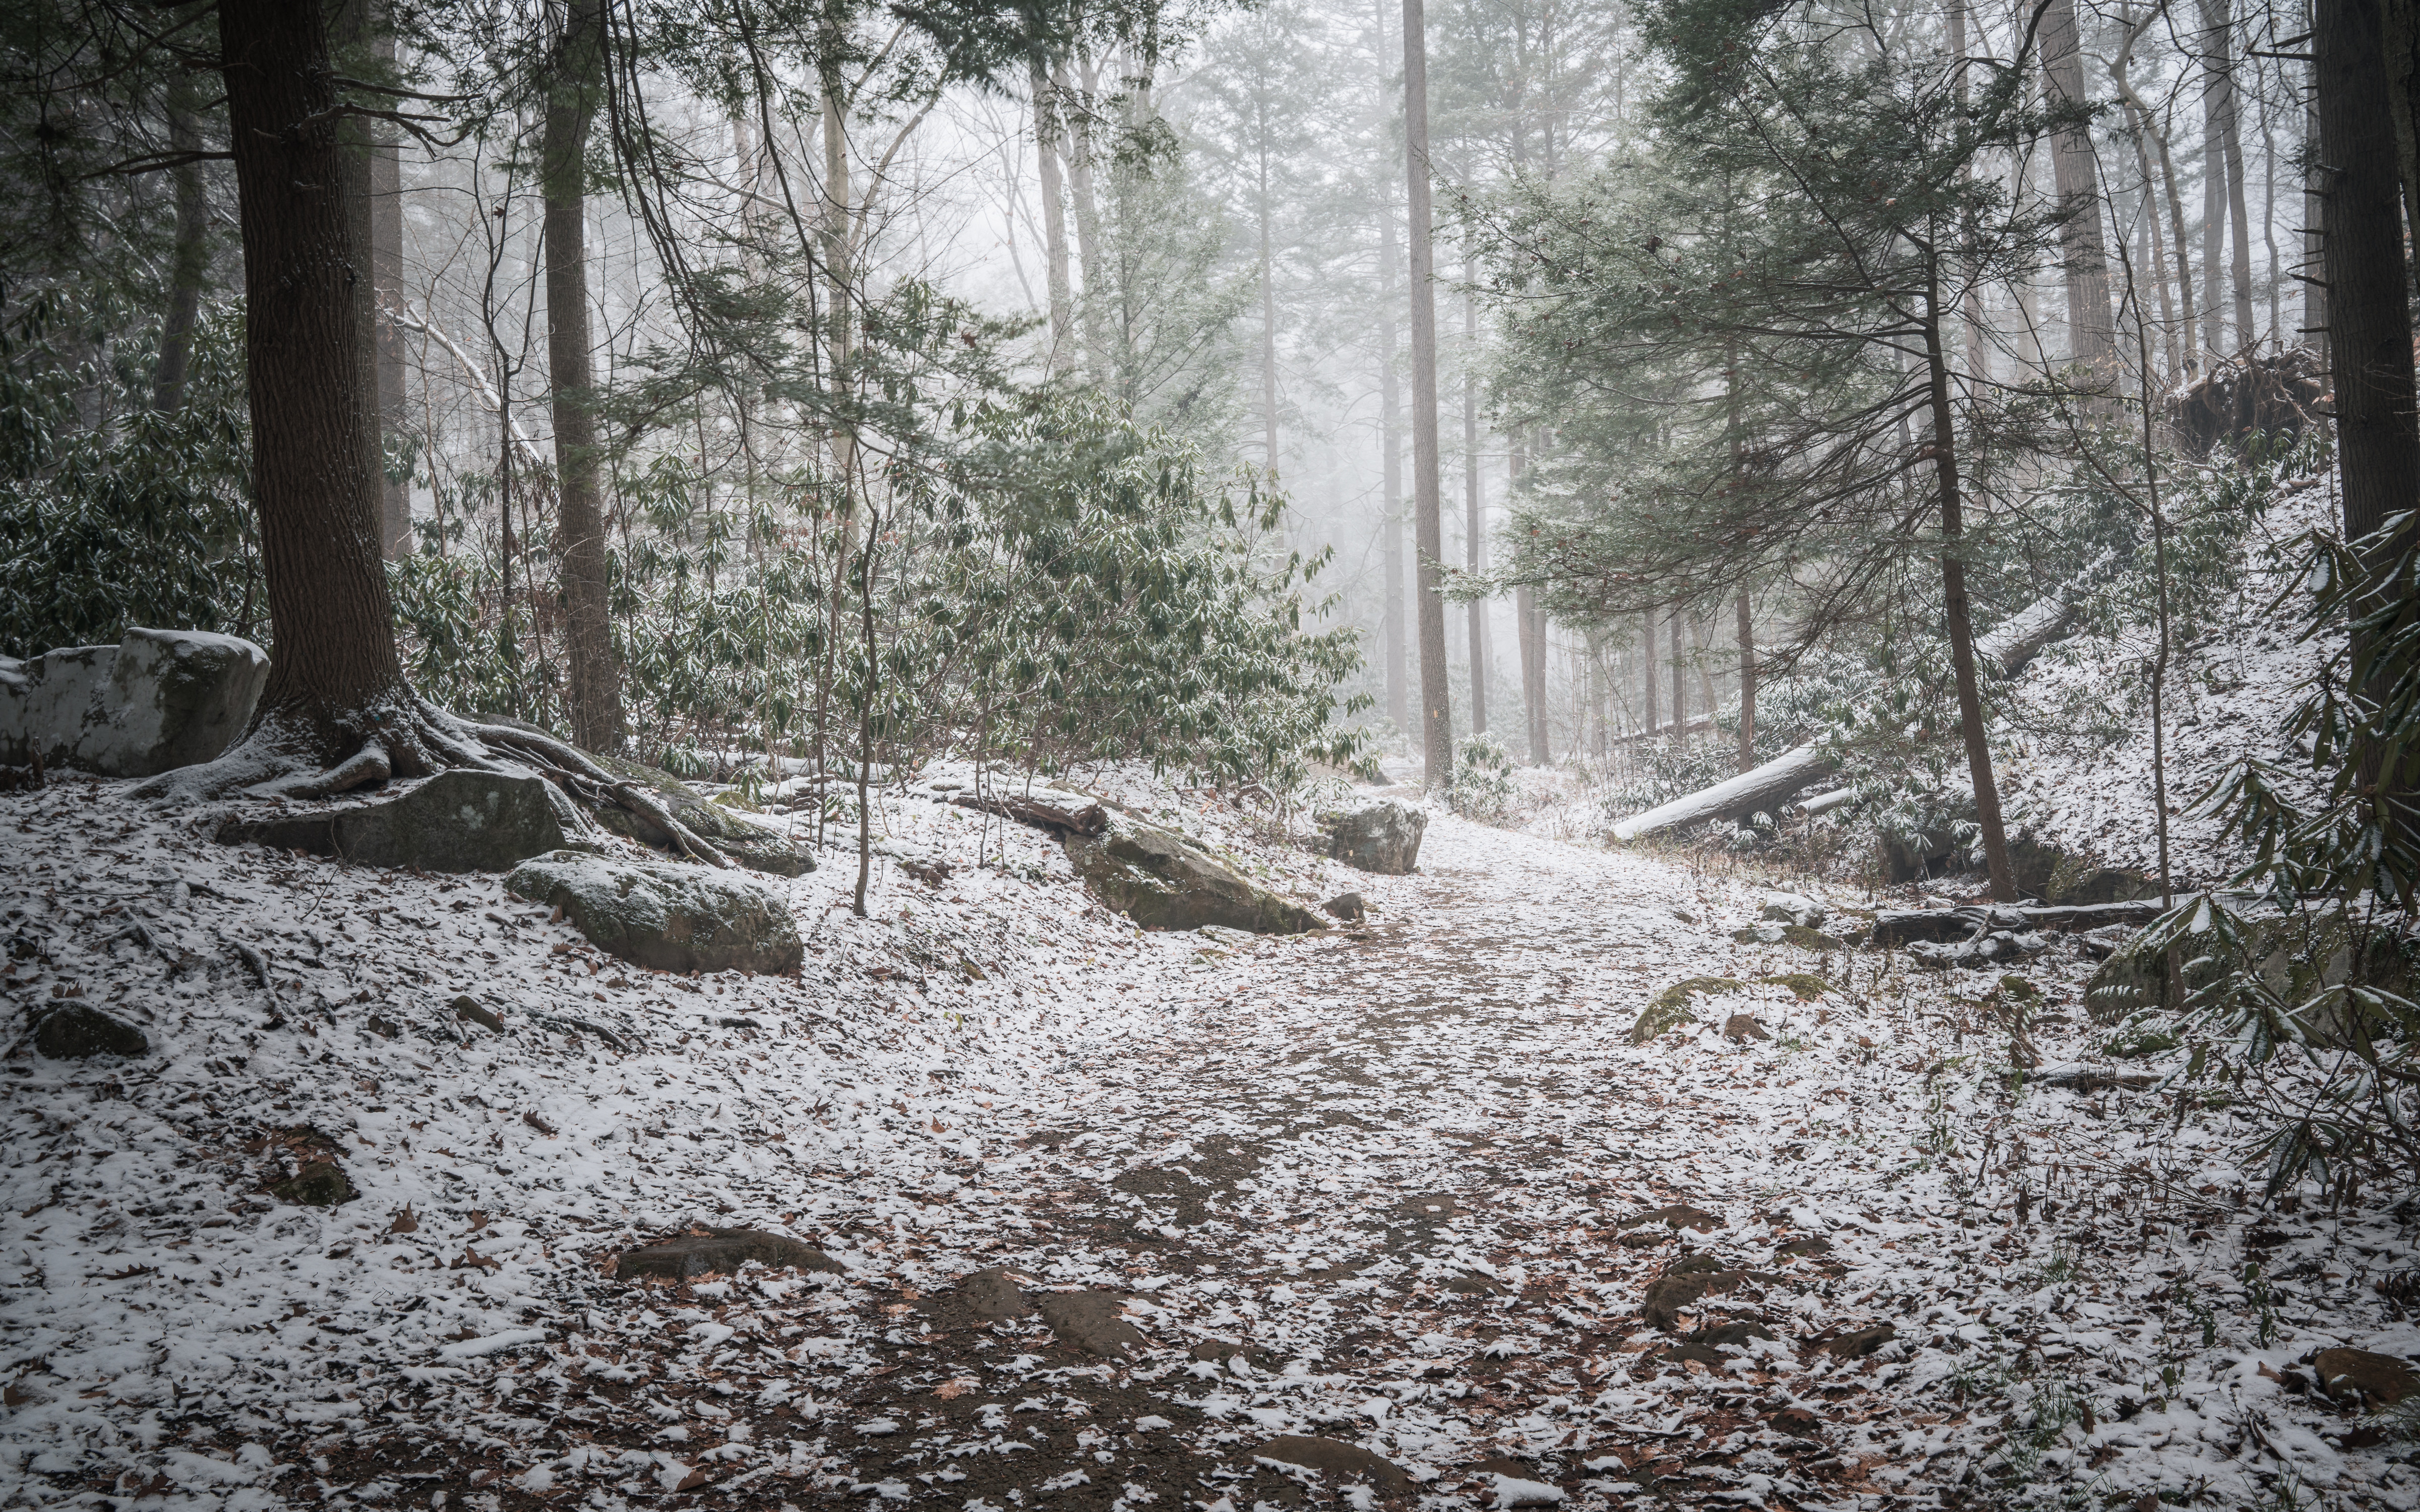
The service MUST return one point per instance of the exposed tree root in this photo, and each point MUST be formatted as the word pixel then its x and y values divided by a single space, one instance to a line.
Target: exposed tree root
pixel 413 738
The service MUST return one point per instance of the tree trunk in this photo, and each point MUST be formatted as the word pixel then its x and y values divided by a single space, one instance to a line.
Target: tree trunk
pixel 1089 249
pixel 335 681
pixel 2238 214
pixel 2213 176
pixel 1533 673
pixel 1748 686
pixel 2403 91
pixel 386 279
pixel 1390 442
pixel 1390 434
pixel 1474 542
pixel 2369 327
pixel 1054 218
pixel 1261 211
pixel 189 256
pixel 2315 214
pixel 1679 682
pixel 577 72
pixel 1960 624
pixel 1436 703
pixel 2092 338
pixel 1647 673
pixel 1976 343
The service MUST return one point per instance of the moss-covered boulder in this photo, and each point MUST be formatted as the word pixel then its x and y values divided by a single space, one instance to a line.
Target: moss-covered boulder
pixel 460 820
pixel 1161 880
pixel 1670 1009
pixel 665 914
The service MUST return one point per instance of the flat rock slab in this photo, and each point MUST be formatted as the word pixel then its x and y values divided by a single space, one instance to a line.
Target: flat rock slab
pixel 457 821
pixel 1089 1322
pixel 665 914
pixel 1333 1457
pixel 79 1031
pixel 720 1252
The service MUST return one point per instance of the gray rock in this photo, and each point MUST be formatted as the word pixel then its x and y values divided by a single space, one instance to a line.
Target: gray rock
pixel 1792 908
pixel 1161 880
pixel 1380 835
pixel 79 1031
pixel 720 1252
pixel 457 821
pixel 157 700
pixel 665 914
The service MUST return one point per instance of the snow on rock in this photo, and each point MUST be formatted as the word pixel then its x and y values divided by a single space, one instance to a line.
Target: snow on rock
pixel 1406 1191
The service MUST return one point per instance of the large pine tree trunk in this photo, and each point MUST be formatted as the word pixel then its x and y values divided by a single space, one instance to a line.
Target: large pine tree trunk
pixel 595 683
pixel 2090 332
pixel 335 681
pixel 1436 703
pixel 2369 283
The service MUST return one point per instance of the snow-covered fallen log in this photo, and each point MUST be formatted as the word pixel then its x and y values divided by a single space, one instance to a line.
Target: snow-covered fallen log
pixel 1764 788
pixel 2005 651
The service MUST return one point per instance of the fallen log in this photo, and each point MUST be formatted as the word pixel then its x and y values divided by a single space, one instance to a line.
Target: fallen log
pixel 2005 651
pixel 1044 808
pixel 1764 788
pixel 1895 927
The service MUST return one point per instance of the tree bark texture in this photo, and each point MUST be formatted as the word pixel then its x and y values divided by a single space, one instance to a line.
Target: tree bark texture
pixel 335 677
pixel 1746 633
pixel 1390 442
pixel 1437 701
pixel 386 279
pixel 1054 218
pixel 572 91
pixel 189 256
pixel 2091 335
pixel 2369 327
pixel 1474 544
pixel 1647 673
pixel 1961 621
pixel 1089 249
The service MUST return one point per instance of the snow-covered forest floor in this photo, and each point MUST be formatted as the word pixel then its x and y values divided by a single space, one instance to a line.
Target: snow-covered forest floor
pixel 1406 1186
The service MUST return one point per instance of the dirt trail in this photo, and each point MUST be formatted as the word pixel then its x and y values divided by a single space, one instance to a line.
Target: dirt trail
pixel 1126 1223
